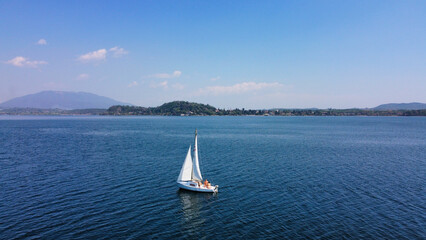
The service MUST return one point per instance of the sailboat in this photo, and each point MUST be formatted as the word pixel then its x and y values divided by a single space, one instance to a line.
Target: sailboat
pixel 190 177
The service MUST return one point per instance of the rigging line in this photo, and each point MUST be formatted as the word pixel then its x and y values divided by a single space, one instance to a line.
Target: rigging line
pixel 199 158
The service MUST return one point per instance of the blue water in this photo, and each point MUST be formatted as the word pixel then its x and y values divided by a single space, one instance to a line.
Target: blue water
pixel 279 178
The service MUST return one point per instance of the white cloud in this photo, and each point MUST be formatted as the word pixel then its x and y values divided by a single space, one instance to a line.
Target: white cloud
pixel 102 54
pixel 42 42
pixel 24 62
pixel 163 84
pixel 118 52
pixel 178 86
pixel 175 74
pixel 215 78
pixel 237 88
pixel 94 56
pixel 83 76
pixel 133 84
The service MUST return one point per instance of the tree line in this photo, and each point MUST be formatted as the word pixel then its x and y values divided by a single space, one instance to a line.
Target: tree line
pixel 183 108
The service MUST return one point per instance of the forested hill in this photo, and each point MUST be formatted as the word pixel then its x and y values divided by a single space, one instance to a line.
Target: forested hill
pixel 175 108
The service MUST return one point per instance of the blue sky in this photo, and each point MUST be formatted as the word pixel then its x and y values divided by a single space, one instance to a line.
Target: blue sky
pixel 251 54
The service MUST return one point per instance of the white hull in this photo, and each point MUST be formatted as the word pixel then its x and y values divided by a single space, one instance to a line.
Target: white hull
pixel 193 186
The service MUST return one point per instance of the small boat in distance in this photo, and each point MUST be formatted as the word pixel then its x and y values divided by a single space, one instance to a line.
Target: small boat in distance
pixel 190 175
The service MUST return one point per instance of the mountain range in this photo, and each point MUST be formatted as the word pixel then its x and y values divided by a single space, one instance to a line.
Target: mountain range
pixel 401 106
pixel 61 100
pixel 83 100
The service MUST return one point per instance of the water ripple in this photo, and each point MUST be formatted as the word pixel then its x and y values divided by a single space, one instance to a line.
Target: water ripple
pixel 280 178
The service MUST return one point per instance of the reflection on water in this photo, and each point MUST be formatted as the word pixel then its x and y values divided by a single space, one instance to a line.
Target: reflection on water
pixel 193 210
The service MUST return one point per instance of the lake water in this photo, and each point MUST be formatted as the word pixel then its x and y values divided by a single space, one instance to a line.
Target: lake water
pixel 279 178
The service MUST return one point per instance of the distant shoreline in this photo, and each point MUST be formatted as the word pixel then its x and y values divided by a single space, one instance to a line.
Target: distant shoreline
pixel 404 113
pixel 182 108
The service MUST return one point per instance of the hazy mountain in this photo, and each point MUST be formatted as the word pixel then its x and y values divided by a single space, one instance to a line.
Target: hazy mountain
pixel 401 106
pixel 61 100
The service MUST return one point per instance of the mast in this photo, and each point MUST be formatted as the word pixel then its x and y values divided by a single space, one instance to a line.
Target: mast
pixel 196 173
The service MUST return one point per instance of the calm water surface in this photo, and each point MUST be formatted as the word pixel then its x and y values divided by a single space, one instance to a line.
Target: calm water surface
pixel 279 178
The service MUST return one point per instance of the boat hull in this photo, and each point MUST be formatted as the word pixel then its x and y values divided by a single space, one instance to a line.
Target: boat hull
pixel 193 186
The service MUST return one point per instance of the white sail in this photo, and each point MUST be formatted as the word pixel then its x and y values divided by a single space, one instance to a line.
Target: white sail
pixel 196 173
pixel 186 171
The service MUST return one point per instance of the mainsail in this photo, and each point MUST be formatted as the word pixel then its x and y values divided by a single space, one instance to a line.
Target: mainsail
pixel 186 171
pixel 196 173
